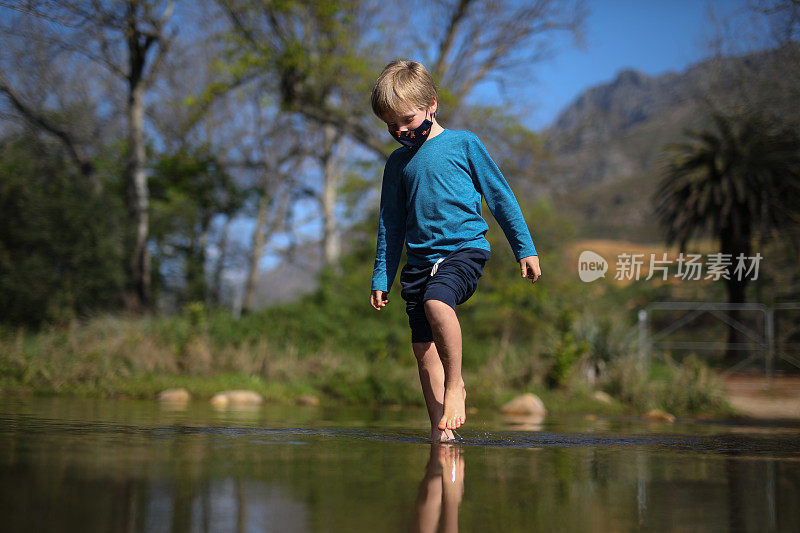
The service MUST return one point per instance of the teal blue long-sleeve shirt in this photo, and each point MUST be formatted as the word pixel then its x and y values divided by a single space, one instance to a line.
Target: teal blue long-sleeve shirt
pixel 431 200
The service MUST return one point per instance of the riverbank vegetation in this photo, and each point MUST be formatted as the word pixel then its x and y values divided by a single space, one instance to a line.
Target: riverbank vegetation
pixel 559 339
pixel 119 357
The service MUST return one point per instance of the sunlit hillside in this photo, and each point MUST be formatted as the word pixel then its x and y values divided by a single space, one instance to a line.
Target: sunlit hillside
pixel 607 148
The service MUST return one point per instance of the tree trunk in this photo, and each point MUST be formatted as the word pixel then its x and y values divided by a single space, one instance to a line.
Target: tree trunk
pixel 330 186
pixel 219 266
pixel 138 196
pixel 197 288
pixel 139 43
pixel 736 292
pixel 259 240
pixel 735 241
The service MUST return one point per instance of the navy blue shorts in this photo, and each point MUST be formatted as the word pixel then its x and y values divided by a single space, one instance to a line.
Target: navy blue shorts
pixel 453 281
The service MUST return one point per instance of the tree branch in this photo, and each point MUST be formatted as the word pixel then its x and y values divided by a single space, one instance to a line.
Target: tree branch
pixel 441 65
pixel 75 152
pixel 43 14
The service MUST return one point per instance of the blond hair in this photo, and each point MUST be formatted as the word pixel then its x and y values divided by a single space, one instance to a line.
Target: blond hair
pixel 403 84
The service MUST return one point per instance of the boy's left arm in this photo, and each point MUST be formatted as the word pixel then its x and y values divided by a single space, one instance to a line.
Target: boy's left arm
pixel 490 182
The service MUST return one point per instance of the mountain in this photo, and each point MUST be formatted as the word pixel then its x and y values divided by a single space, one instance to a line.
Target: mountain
pixel 606 148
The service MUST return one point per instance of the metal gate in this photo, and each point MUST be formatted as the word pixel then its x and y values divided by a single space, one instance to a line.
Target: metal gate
pixel 765 343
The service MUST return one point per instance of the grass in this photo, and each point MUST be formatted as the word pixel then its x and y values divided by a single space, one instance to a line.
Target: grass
pixel 111 356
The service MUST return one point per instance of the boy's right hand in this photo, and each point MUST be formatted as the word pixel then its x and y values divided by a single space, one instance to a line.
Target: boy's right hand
pixel 379 299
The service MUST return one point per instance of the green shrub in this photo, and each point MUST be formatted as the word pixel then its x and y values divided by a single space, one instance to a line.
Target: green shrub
pixel 61 254
pixel 627 380
pixel 692 388
pixel 688 387
pixel 565 350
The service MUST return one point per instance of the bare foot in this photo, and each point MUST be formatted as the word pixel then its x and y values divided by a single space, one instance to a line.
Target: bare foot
pixel 438 436
pixel 455 412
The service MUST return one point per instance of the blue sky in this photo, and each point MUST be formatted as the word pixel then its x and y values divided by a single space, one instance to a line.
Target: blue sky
pixel 653 36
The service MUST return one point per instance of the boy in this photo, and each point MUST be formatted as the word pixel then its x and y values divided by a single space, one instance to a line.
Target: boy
pixel 431 200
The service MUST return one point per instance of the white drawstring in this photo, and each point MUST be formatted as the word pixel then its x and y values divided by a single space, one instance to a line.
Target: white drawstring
pixel 436 266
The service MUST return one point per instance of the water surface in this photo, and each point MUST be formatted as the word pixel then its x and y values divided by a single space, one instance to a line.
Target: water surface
pixel 114 465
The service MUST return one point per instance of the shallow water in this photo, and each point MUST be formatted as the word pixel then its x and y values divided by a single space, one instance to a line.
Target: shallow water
pixel 80 465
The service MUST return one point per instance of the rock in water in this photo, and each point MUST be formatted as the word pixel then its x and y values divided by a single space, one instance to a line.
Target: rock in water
pixel 527 404
pixel 602 397
pixel 180 395
pixel 236 397
pixel 307 399
pixel 657 414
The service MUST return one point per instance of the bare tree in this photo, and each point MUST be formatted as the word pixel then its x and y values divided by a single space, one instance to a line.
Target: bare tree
pixel 130 39
pixel 230 112
pixel 309 54
pixel 493 40
pixel 43 85
pixel 197 104
pixel 278 151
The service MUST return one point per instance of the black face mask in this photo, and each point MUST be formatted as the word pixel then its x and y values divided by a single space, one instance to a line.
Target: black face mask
pixel 414 138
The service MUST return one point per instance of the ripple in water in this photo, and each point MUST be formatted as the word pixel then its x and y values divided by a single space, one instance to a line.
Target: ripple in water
pixel 733 444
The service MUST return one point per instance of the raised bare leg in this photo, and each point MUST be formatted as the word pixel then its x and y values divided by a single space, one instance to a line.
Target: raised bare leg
pixel 447 337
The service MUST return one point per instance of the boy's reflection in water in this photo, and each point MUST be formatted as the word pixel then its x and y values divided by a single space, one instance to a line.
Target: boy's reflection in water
pixel 441 489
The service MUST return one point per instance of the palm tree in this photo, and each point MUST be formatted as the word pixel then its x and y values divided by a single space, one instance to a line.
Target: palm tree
pixel 738 178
